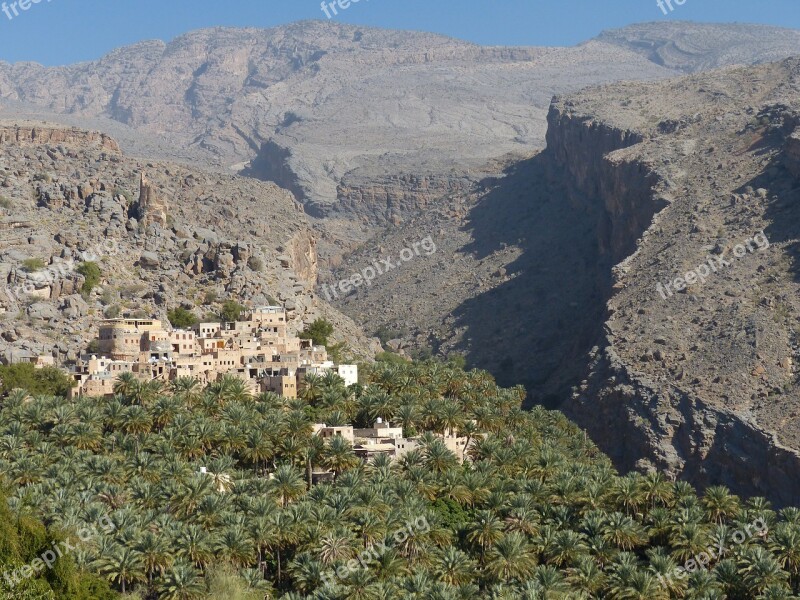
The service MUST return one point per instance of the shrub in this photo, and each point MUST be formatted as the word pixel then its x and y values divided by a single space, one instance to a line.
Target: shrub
pixel 390 357
pixel 318 331
pixel 5 202
pixel 255 263
pixel 231 311
pixel 124 193
pixel 181 317
pixel 32 265
pixel 112 312
pixel 48 381
pixel 338 352
pixel 210 297
pixel 92 275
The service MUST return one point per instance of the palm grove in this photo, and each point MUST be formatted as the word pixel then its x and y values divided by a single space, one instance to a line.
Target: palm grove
pixel 210 494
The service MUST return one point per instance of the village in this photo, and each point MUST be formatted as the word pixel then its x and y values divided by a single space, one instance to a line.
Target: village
pixel 258 349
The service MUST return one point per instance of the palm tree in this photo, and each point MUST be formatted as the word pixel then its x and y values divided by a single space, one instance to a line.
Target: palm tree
pixel 638 585
pixel 760 569
pixel 155 553
pixel 338 456
pixel 622 531
pixel 123 566
pixel 194 545
pixel 785 545
pixel 511 558
pixel 485 531
pixel 720 504
pixel 586 576
pixel 310 388
pixel 565 548
pixel 182 583
pixel 236 547
pixel 287 483
pixel 455 567
pixel 125 385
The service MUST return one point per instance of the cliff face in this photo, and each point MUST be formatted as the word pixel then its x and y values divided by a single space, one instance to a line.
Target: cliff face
pixel 598 170
pixel 697 382
pixel 549 276
pixel 31 134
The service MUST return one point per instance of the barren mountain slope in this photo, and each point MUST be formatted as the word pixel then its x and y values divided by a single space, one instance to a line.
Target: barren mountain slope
pixel 703 379
pixel 373 124
pixel 691 47
pixel 196 240
pixel 348 112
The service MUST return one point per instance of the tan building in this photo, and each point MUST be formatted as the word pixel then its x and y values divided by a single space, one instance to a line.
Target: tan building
pixel 257 349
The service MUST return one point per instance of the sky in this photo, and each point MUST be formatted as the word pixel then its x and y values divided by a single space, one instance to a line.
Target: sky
pixel 57 32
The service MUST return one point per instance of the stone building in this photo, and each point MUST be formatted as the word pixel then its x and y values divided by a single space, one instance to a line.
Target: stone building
pixel 258 349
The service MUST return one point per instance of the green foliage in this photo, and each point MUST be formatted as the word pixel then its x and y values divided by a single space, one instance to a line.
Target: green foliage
pixel 319 331
pixel 112 312
pixel 48 380
pixel 210 297
pixel 338 353
pixel 390 357
pixel 534 510
pixel 92 275
pixel 451 514
pixel 31 265
pixel 23 540
pixel 5 203
pixel 459 361
pixel 124 193
pixel 181 318
pixel 385 333
pixel 231 311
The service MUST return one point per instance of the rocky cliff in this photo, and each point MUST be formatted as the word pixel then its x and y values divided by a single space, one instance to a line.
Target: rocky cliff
pixel 699 381
pixel 22 134
pixel 549 275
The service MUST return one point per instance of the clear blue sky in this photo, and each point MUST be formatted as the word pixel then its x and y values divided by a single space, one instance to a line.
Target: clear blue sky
pixel 63 31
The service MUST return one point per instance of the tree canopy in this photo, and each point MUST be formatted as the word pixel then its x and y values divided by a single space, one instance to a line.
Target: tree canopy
pixel 47 380
pixel 211 489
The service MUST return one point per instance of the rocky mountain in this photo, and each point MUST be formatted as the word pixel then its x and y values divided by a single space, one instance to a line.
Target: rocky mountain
pixel 378 124
pixel 691 47
pixel 163 235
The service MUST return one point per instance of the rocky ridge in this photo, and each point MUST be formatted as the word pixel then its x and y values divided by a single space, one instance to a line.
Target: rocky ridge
pixel 365 126
pixel 164 235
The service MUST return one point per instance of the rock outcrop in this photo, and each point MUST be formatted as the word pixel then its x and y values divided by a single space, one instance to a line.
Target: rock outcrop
pixel 151 207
